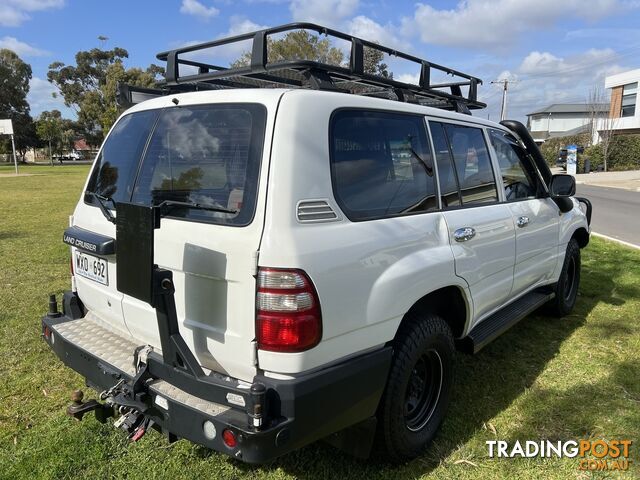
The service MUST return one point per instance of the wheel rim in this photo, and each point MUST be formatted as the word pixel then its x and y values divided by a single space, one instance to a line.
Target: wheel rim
pixel 571 283
pixel 423 390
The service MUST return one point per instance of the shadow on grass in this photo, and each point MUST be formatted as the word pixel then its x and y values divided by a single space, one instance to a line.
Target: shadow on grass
pixel 489 382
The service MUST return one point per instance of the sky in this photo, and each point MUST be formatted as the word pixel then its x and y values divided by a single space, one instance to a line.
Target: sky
pixel 552 51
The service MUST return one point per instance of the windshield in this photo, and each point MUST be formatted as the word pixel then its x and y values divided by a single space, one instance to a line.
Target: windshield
pixel 204 154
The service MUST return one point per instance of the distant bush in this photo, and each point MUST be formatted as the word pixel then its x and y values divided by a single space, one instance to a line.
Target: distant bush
pixel 550 148
pixel 624 152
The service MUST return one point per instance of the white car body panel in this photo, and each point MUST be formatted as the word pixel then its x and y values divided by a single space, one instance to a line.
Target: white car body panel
pixel 368 274
pixel 485 261
pixel 536 243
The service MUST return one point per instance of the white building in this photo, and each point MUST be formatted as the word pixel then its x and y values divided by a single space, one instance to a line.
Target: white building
pixel 561 119
pixel 624 115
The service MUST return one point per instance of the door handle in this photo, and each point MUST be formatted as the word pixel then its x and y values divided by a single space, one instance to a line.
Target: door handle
pixel 464 234
pixel 522 221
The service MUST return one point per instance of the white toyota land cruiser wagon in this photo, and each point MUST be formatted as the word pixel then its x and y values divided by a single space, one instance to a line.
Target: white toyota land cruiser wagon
pixel 254 269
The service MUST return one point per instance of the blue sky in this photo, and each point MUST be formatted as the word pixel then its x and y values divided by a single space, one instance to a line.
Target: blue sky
pixel 556 50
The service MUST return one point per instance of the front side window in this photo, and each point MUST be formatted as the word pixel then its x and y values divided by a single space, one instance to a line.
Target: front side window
pixel 517 177
pixel 381 164
pixel 629 96
pixel 469 165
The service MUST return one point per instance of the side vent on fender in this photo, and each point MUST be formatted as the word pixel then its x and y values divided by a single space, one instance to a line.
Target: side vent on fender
pixel 313 211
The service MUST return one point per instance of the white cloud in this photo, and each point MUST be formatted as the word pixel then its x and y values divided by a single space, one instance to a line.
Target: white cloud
pixel 542 78
pixel 21 48
pixel 193 7
pixel 14 12
pixel 239 25
pixel 223 53
pixel 498 23
pixel 326 12
pixel 592 64
pixel 366 28
pixel 40 98
pixel 410 78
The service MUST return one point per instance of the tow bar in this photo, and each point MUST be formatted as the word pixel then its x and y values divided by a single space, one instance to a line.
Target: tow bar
pixel 129 400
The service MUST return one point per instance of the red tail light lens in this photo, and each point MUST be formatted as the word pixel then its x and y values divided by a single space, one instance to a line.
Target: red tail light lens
pixel 288 315
pixel 229 438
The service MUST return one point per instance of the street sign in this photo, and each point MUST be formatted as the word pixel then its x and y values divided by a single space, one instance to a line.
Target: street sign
pixel 572 159
pixel 6 127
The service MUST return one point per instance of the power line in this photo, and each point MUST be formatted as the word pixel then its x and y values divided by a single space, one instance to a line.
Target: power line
pixel 505 87
pixel 583 66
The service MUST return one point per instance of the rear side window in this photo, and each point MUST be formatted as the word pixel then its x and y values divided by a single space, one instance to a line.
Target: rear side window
pixel 381 164
pixel 516 169
pixel 469 165
pixel 204 154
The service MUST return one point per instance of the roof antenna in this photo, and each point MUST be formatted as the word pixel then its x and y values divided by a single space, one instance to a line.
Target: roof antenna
pixel 175 101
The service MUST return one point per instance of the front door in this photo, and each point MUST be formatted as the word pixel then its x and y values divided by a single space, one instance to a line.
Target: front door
pixel 481 229
pixel 534 213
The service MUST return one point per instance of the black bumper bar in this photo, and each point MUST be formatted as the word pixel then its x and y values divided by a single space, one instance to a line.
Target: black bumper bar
pixel 300 410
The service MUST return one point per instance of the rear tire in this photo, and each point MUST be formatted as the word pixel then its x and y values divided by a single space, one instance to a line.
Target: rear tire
pixel 418 389
pixel 566 289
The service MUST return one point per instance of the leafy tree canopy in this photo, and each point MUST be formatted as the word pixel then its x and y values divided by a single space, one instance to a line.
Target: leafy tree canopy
pixel 14 87
pixel 90 87
pixel 303 45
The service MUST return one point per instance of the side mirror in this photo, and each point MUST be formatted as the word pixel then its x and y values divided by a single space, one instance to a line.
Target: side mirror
pixel 562 186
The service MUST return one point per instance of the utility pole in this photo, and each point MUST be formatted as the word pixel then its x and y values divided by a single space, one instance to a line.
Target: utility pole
pixel 505 87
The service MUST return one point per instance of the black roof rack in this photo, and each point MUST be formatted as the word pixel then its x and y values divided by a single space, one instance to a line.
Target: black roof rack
pixel 259 72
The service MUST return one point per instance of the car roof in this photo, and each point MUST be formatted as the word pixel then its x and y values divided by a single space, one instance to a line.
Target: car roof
pixel 271 96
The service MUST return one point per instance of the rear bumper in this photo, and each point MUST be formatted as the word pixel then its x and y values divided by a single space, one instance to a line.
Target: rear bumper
pixel 300 411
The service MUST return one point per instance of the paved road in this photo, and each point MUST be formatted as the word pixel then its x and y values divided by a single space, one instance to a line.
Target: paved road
pixel 616 212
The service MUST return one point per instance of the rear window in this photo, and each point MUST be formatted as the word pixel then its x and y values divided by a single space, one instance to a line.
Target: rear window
pixel 205 154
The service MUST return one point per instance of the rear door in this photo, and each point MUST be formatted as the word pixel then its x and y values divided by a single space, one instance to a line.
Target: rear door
pixel 534 213
pixel 481 230
pixel 112 177
pixel 211 155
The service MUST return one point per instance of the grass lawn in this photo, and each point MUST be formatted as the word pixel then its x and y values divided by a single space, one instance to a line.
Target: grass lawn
pixel 574 378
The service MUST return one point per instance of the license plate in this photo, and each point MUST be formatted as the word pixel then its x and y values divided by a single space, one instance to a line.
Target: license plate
pixel 93 268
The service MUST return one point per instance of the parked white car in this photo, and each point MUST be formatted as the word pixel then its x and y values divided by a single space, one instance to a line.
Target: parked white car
pixel 316 259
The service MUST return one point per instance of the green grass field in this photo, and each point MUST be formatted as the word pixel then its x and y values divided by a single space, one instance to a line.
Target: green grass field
pixel 574 378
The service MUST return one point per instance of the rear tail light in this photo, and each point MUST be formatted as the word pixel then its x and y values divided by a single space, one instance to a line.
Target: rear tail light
pixel 229 438
pixel 288 315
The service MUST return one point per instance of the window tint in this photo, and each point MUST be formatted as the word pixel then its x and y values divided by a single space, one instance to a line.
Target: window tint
pixel 517 176
pixel 117 163
pixel 208 154
pixel 449 191
pixel 464 166
pixel 381 164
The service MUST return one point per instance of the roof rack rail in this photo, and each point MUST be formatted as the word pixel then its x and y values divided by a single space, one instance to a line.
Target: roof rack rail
pixel 351 78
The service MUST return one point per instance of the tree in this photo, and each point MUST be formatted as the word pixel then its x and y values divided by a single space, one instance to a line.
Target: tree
pixel 373 63
pixel 89 87
pixel 14 80
pixel 303 45
pixel 602 123
pixel 50 127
